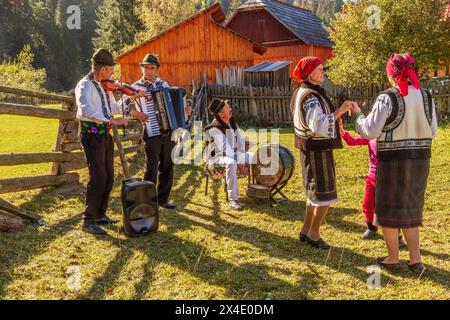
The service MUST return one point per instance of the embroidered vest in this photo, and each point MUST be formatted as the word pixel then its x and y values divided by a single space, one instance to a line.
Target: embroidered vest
pixel 308 139
pixel 407 132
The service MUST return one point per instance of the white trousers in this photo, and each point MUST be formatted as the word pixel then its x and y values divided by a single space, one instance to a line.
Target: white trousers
pixel 231 173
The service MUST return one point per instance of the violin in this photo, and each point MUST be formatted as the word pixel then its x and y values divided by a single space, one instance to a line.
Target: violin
pixel 124 88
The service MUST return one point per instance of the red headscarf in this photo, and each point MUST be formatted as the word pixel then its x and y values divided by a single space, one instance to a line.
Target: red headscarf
pixel 401 67
pixel 305 67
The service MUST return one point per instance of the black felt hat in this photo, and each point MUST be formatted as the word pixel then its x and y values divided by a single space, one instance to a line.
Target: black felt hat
pixel 103 56
pixel 150 58
pixel 216 105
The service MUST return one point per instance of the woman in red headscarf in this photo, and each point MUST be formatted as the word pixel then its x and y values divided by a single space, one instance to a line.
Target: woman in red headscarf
pixel 404 122
pixel 316 134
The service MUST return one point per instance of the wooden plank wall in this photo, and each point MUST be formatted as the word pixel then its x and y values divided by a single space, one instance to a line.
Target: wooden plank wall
pixel 199 46
pixel 293 53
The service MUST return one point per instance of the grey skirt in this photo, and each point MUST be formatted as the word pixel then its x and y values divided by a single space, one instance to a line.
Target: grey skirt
pixel 319 175
pixel 400 192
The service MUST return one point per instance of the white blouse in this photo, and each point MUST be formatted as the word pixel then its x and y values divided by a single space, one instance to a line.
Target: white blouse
pixel 372 126
pixel 319 123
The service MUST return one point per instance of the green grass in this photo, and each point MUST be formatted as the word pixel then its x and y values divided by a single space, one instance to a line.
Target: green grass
pixel 27 134
pixel 206 251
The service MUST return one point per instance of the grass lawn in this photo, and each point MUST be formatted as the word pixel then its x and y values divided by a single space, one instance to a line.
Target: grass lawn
pixel 205 251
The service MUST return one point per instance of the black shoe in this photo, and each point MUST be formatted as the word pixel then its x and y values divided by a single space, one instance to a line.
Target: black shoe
pixel 303 237
pixel 388 266
pixel 106 220
pixel 93 228
pixel 320 244
pixel 167 205
pixel 417 267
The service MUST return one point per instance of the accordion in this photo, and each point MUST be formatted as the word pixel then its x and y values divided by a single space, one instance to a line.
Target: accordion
pixel 169 106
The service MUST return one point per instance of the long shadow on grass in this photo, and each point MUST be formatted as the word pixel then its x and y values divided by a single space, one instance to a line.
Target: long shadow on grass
pixel 34 243
pixel 340 259
pixel 40 204
pixel 247 280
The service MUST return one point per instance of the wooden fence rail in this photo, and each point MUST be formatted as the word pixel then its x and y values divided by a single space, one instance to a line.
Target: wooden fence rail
pixel 67 156
pixel 33 111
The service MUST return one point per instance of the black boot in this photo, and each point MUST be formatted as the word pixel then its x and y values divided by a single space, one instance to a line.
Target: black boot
pixel 370 233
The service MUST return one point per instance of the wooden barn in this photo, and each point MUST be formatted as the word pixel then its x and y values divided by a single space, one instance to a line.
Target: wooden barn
pixel 288 32
pixel 193 47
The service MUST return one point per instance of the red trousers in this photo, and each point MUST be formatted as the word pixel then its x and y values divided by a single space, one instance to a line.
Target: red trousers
pixel 369 199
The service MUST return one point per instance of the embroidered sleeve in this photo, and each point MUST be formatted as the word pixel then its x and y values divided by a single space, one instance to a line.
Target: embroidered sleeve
pixel 318 122
pixel 371 126
pixel 86 108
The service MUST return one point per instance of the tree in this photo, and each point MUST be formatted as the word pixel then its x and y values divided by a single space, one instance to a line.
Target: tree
pixel 20 73
pixel 14 27
pixel 324 9
pixel 233 6
pixel 118 25
pixel 363 43
pixel 159 15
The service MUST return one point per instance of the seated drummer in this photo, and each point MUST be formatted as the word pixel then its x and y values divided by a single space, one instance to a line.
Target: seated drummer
pixel 158 147
pixel 226 146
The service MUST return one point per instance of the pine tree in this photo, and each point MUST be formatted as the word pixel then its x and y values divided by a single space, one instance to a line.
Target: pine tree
pixel 117 25
pixel 159 15
pixel 15 25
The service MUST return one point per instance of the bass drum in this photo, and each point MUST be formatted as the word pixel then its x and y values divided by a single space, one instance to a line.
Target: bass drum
pixel 274 166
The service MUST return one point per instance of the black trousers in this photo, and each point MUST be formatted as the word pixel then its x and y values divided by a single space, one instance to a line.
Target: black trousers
pixel 158 152
pixel 99 151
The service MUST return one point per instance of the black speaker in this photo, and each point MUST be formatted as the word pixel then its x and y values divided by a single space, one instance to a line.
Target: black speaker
pixel 140 212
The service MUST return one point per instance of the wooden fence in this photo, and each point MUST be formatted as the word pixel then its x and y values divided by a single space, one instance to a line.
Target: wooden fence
pixel 272 104
pixel 67 156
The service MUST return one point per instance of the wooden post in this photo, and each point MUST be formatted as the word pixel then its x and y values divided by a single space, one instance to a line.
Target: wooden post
pixel 253 108
pixel 63 131
pixel 123 160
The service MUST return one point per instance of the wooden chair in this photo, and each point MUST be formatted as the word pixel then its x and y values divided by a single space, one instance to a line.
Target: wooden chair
pixel 216 176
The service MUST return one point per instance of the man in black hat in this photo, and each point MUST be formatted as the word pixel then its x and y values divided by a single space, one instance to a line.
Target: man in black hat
pixel 158 147
pixel 96 108
pixel 226 146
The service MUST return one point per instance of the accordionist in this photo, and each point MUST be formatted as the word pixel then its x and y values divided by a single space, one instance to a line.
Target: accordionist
pixel 158 145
